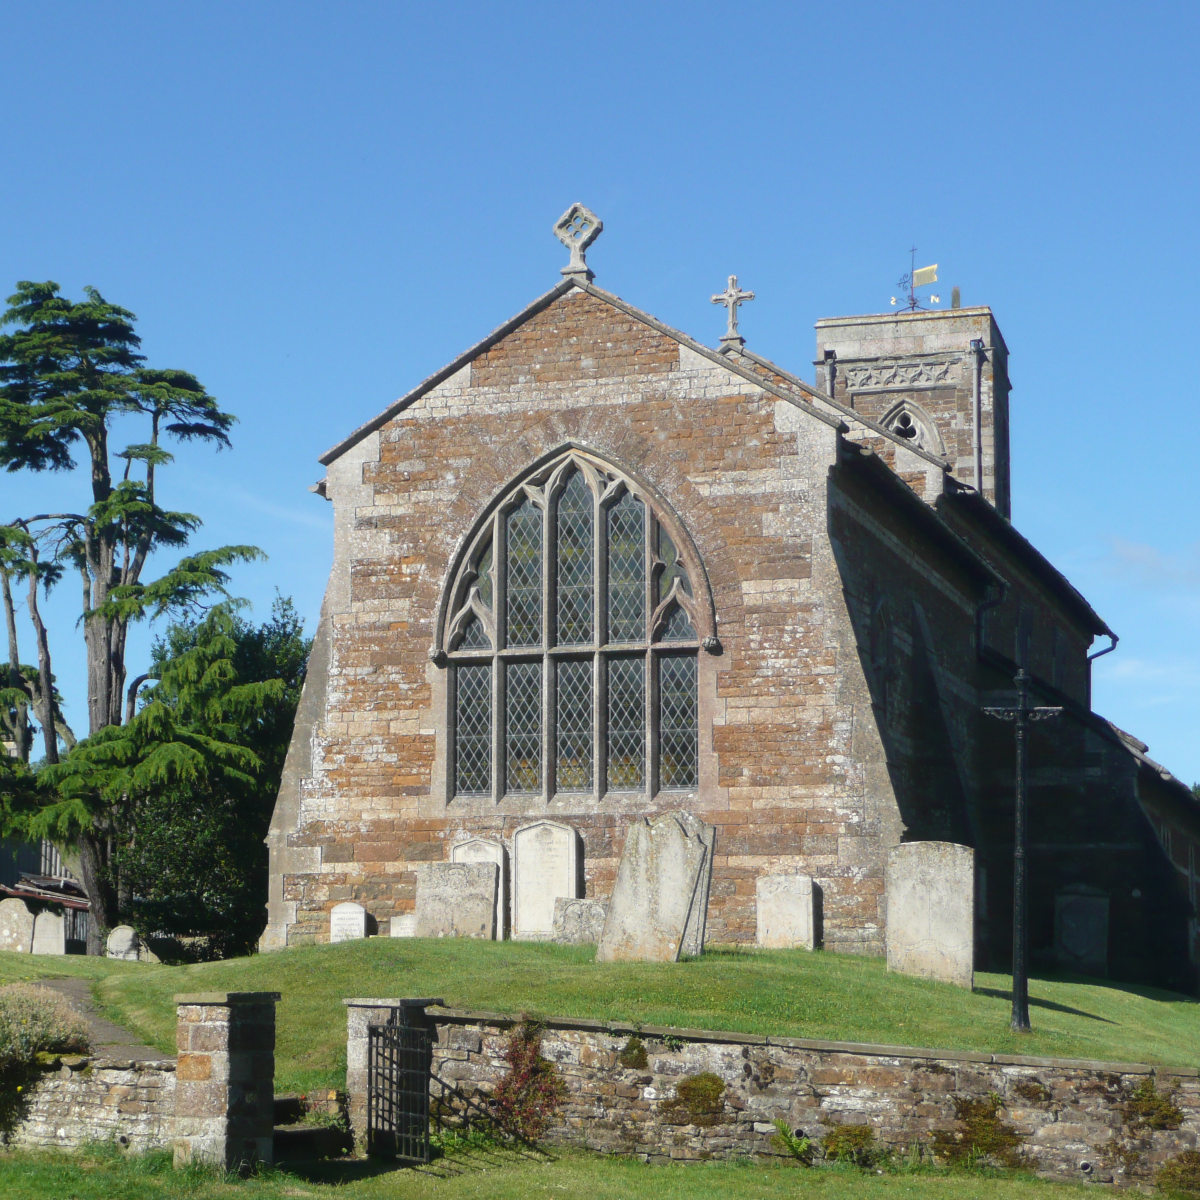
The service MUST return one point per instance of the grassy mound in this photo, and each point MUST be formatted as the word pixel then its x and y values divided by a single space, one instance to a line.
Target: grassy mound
pixel 785 993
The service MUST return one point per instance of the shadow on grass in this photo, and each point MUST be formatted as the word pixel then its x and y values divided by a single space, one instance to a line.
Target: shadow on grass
pixel 462 1161
pixel 1034 1002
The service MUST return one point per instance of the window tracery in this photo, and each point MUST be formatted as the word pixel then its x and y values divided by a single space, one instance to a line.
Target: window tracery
pixel 572 632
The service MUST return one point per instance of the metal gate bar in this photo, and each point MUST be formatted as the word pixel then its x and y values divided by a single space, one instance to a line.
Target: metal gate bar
pixel 399 1063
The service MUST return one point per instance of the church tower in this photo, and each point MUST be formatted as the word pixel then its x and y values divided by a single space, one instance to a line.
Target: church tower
pixel 938 378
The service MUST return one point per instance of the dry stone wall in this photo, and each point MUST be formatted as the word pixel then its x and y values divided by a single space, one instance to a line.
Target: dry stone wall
pixel 1069 1119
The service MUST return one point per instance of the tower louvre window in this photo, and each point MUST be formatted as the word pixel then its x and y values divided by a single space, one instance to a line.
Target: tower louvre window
pixel 572 644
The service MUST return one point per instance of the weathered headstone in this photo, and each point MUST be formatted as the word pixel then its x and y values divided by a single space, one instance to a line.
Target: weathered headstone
pixel 123 943
pixel 347 922
pixel 404 925
pixel 16 926
pixel 1081 930
pixel 456 900
pixel 654 912
pixel 697 923
pixel 931 911
pixel 49 933
pixel 785 912
pixel 545 866
pixel 488 850
pixel 578 922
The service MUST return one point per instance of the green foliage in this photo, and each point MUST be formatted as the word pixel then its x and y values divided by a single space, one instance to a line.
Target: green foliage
pixel 1180 1176
pixel 1148 1108
pixel 698 1098
pixel 633 1055
pixel 530 1092
pixel 852 1144
pixel 792 1142
pixel 981 1136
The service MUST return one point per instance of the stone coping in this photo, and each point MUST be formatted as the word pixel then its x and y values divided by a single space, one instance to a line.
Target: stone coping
pixel 458 1016
pixel 220 998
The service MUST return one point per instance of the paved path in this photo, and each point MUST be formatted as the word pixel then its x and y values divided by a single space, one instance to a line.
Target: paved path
pixel 108 1040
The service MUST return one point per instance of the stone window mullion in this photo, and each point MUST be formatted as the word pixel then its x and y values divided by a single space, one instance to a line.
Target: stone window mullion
pixel 500 610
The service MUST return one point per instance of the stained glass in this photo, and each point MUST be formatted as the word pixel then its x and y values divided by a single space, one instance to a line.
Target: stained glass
pixel 474 636
pixel 626 723
pixel 523 577
pixel 523 727
pixel 573 727
pixel 575 589
pixel 677 766
pixel 672 567
pixel 677 627
pixel 626 570
pixel 473 729
pixel 483 576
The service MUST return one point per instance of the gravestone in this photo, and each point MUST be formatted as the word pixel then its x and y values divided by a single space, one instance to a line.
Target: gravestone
pixel 456 900
pixel 654 912
pixel 404 925
pixel 488 850
pixel 578 922
pixel 545 867
pixel 347 922
pixel 931 911
pixel 123 943
pixel 16 926
pixel 49 933
pixel 1081 929
pixel 785 912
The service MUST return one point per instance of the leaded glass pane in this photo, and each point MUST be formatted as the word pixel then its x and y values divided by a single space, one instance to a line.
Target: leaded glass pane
pixel 627 570
pixel 483 576
pixel 677 627
pixel 523 575
pixel 523 727
pixel 575 563
pixel 474 636
pixel 677 740
pixel 573 727
pixel 473 729
pixel 672 567
pixel 626 723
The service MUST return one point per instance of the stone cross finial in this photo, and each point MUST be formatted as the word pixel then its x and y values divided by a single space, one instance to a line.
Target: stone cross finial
pixel 731 297
pixel 577 229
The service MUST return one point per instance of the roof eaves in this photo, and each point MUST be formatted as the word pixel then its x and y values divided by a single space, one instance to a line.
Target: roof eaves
pixel 1033 558
pixel 449 369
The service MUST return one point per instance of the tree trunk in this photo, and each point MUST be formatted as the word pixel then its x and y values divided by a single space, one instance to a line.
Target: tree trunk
pixel 94 861
pixel 44 700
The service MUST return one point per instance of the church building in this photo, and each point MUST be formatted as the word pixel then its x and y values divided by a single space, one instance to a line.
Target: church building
pixel 593 570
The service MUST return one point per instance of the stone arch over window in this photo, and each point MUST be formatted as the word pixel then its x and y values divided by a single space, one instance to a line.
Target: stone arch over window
pixel 910 421
pixel 571 628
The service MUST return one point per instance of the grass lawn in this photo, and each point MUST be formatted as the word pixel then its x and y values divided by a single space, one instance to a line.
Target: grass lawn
pixel 787 993
pixel 103 1174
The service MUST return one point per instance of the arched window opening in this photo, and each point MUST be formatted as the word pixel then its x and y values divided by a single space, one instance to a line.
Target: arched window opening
pixel 572 639
pixel 908 420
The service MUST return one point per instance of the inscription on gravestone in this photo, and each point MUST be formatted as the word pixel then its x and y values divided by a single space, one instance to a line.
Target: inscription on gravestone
pixel 456 900
pixel 545 866
pixel 347 922
pixel 49 933
pixel 488 850
pixel 785 912
pixel 931 911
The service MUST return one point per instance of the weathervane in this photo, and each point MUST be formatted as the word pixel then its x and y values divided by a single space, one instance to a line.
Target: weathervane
pixel 916 277
pixel 731 297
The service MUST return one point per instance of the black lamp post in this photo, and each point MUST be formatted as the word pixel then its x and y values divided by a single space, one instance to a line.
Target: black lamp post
pixel 1021 715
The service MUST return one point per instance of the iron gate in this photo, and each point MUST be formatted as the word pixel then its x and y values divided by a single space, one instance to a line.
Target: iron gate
pixel 399 1064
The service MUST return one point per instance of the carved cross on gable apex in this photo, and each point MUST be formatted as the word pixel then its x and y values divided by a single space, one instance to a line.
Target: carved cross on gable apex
pixel 731 297
pixel 577 229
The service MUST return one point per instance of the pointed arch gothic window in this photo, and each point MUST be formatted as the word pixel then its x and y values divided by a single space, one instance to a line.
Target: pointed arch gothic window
pixel 911 422
pixel 570 631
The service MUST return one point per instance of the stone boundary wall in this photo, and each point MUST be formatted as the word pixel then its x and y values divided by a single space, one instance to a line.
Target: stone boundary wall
pixel 1071 1118
pixel 99 1099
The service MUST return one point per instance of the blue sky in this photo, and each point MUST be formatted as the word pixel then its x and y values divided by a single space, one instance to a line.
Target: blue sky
pixel 313 206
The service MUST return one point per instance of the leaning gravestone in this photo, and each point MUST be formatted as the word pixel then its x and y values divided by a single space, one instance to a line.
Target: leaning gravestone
pixel 123 943
pixel 578 922
pixel 931 911
pixel 49 933
pixel 785 912
pixel 16 926
pixel 660 890
pixel 347 922
pixel 693 935
pixel 545 866
pixel 488 850
pixel 456 900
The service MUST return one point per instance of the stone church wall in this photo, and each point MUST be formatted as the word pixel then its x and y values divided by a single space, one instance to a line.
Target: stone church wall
pixel 780 776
